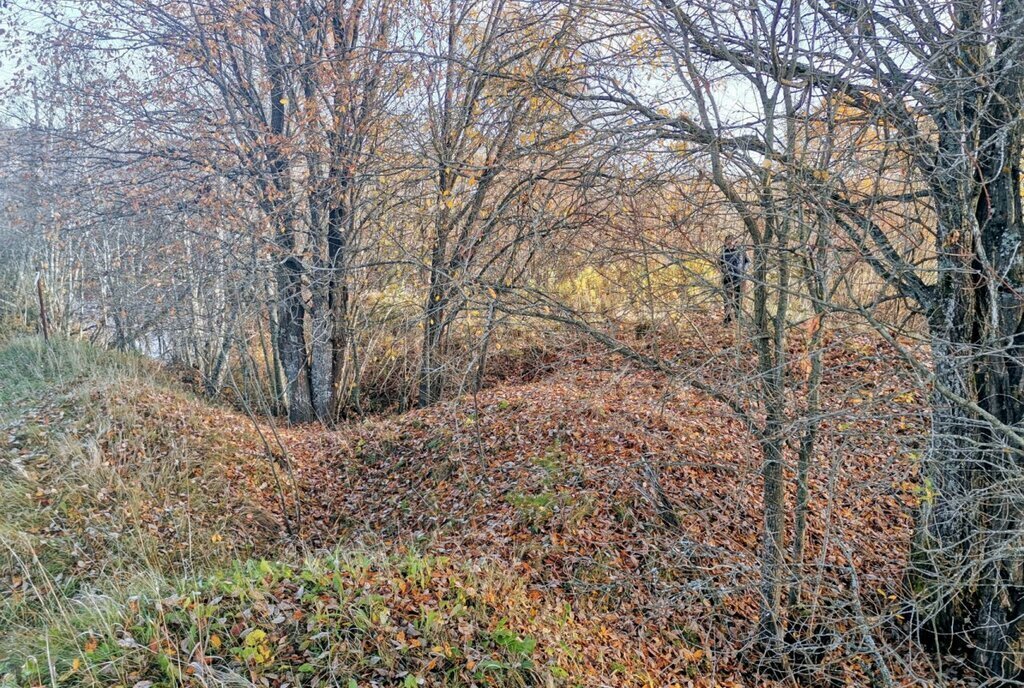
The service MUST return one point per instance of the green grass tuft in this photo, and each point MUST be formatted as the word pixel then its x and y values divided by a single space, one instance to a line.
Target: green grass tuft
pixel 31 369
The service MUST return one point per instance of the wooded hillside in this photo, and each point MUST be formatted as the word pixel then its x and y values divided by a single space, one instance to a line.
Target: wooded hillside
pixel 511 342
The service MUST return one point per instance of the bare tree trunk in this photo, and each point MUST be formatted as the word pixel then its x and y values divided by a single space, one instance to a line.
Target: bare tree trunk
pixel 273 357
pixel 292 341
pixel 431 378
pixel 481 361
pixel 770 342
pixel 431 372
pixel 322 330
pixel 329 289
pixel 816 279
pixel 44 324
pixel 291 311
pixel 215 378
pixel 968 570
pixel 338 296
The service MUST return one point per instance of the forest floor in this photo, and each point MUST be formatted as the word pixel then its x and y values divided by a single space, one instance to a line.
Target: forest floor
pixel 593 525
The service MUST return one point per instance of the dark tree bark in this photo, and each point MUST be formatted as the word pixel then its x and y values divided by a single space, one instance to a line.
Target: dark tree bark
pixel 431 381
pixel 969 548
pixel 338 297
pixel 291 311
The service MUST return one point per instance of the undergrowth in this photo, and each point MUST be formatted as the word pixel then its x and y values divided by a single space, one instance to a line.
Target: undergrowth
pixel 99 498
pixel 334 620
pixel 127 560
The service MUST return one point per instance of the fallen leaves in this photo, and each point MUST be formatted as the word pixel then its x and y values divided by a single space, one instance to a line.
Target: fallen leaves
pixel 541 480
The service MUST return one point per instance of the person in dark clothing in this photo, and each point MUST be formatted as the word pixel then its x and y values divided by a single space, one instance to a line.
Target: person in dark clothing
pixel 733 263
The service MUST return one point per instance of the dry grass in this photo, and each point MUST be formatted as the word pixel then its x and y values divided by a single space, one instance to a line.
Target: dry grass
pixel 98 503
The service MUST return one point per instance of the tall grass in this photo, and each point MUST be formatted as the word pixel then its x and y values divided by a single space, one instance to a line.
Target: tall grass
pixel 73 544
pixel 31 369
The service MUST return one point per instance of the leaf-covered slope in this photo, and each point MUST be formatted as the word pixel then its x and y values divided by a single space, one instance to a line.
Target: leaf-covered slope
pixel 636 497
pixel 613 514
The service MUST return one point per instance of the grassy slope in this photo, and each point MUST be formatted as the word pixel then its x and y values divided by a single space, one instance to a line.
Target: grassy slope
pixel 96 501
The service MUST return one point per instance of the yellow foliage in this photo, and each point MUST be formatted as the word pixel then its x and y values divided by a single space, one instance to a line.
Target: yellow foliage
pixel 258 647
pixel 589 285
